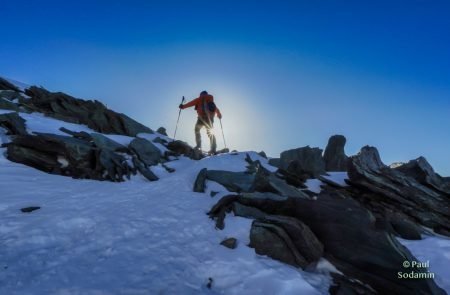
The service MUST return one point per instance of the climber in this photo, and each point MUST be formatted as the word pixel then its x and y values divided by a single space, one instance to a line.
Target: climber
pixel 206 110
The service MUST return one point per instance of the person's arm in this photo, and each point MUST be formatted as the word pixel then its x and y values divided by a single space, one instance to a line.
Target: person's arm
pixel 190 104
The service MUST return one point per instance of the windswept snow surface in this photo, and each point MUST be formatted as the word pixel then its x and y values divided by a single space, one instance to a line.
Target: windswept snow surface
pixel 140 237
pixel 134 237
pixel 436 251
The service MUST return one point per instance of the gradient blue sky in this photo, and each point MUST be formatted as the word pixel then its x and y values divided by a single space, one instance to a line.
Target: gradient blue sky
pixel 284 73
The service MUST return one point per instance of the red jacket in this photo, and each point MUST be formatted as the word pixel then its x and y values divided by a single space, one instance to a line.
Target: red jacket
pixel 198 103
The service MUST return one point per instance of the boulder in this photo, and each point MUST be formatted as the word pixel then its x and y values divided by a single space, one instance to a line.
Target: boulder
pixel 200 181
pixel 334 155
pixel 230 243
pixel 182 148
pixel 162 130
pixel 146 151
pixel 144 170
pixel 266 181
pixel 91 113
pixel 286 239
pixel 30 209
pixel 232 181
pixel 301 161
pixel 13 123
pixel 104 142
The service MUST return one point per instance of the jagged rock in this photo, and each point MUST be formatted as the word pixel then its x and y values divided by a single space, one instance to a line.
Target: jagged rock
pixel 146 151
pixel 381 188
pixel 160 140
pixel 229 243
pixel 10 95
pixel 285 239
pixel 162 130
pixel 273 241
pixel 64 155
pixel 404 227
pixel 6 85
pixel 144 170
pixel 246 211
pixel 7 105
pixel 199 184
pixel 30 209
pixel 114 164
pixel 275 162
pixel 334 155
pixel 301 161
pixel 266 181
pixel 182 148
pixel 232 181
pixel 292 179
pixel 13 123
pixel 343 285
pixel 91 113
pixel 368 159
pixel 305 243
pixel 104 142
pixel 80 135
pixel 421 170
pixel 347 231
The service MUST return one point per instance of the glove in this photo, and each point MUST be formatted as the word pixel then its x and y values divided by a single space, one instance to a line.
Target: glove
pixel 181 106
pixel 220 116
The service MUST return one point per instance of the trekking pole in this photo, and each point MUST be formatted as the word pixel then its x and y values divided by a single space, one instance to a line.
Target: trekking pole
pixel 223 134
pixel 176 126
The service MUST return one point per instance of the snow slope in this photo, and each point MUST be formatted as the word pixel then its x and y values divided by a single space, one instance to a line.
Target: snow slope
pixel 140 237
pixel 135 237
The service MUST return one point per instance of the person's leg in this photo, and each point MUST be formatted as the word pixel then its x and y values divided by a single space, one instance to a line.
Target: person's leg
pixel 198 138
pixel 212 137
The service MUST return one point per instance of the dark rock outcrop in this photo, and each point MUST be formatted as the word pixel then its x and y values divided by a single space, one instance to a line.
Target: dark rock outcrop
pixel 68 156
pixel 351 241
pixel 104 142
pixel 199 184
pixel 6 85
pixel 13 123
pixel 334 155
pixel 146 151
pixel 423 172
pixel 381 188
pixel 286 239
pixel 91 113
pixel 232 181
pixel 7 105
pixel 275 162
pixel 304 162
pixel 182 148
pixel 10 95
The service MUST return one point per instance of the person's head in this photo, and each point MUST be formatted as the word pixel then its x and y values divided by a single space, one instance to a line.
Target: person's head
pixel 204 92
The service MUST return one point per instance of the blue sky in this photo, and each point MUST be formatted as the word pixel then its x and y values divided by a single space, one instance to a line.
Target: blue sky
pixel 284 73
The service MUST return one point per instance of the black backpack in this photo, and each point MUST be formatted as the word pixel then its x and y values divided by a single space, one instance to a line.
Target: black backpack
pixel 208 107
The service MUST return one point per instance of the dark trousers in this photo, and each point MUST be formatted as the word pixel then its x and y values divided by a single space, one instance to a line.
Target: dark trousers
pixel 208 124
